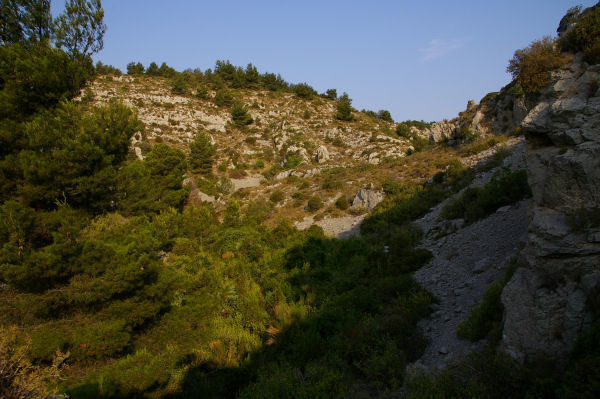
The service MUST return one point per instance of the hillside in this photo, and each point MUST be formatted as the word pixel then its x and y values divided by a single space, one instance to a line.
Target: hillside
pixel 224 233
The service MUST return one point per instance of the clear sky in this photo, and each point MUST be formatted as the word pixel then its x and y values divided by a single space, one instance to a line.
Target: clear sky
pixel 419 59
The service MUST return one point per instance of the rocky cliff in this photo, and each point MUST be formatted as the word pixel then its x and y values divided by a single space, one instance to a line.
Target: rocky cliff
pixel 553 294
pixel 497 113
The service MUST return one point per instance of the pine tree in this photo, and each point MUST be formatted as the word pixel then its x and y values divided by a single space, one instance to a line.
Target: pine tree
pixel 239 115
pixel 344 109
pixel 202 153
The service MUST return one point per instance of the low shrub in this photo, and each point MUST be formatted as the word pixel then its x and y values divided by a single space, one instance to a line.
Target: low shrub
pixel 277 196
pixel 342 203
pixel 314 204
pixel 475 203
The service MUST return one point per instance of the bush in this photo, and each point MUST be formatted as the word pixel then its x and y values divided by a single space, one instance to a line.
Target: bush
pixel 223 98
pixel 532 65
pixel 384 115
pixel 179 84
pixel 344 108
pixel 135 68
pixel 239 115
pixel 303 90
pixel 478 202
pixel 342 203
pixel 202 92
pixel 584 36
pixel 314 204
pixel 277 196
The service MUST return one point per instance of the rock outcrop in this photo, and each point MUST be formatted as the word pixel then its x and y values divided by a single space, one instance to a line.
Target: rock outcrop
pixel 548 299
pixel 367 199
pixel 322 154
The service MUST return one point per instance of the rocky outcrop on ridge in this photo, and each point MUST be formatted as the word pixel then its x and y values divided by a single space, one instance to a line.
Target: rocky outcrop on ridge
pixel 548 299
pixel 497 113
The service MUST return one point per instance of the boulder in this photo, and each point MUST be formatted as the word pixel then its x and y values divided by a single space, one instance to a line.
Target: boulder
pixel 322 154
pixel 367 199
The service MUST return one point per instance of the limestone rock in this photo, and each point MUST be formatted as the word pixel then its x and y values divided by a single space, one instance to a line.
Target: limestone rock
pixel 366 198
pixel 322 154
pixel 545 301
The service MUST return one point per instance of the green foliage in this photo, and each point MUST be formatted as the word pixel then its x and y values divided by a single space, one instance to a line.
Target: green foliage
pixel 303 90
pixel 154 184
pixel 385 115
pixel 202 92
pixel 152 69
pixel 504 188
pixel 102 69
pixel 134 68
pixel 73 157
pixel 331 94
pixel 584 36
pixel 37 78
pixel 532 65
pixel 342 203
pixel 314 204
pixel 223 98
pixel 239 115
pixel 403 130
pixel 202 153
pixel 344 108
pixel 485 320
pixel 179 84
pixel 277 196
pixel 79 28
pixel 292 160
pixel 23 21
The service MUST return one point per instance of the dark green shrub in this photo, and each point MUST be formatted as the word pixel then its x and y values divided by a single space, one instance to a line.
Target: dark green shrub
pixel 202 92
pixel 478 202
pixel 331 94
pixel 484 321
pixel 385 115
pixel 277 196
pixel 419 143
pixel 239 115
pixel 292 160
pixel 179 84
pixel 344 108
pixel 202 153
pixel 314 204
pixel 223 98
pixel 342 203
pixel 303 90
pixel 135 68
pixel 403 130
pixel 584 36
pixel 259 164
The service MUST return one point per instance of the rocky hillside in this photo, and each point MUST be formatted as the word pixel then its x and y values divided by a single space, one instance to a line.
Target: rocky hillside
pixel 293 151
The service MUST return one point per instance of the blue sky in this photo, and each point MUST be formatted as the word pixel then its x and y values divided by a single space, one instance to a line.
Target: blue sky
pixel 418 59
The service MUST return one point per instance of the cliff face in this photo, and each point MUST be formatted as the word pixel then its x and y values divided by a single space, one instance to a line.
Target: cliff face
pixel 551 297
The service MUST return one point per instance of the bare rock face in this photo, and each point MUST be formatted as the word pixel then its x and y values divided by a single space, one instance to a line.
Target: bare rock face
pixel 366 198
pixel 547 300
